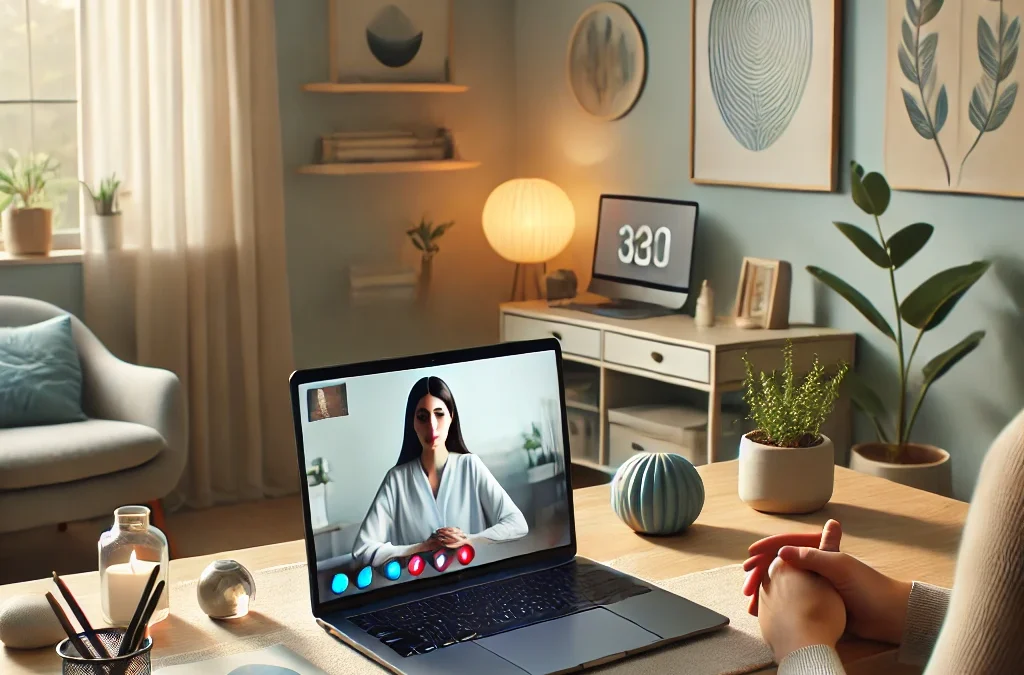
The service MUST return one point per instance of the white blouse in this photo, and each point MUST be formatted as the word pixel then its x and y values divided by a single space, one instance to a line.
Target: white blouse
pixel 405 513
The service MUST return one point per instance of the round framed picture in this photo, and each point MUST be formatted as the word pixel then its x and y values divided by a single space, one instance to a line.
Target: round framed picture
pixel 607 61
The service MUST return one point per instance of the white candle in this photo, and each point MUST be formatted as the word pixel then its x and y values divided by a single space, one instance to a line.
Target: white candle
pixel 125 583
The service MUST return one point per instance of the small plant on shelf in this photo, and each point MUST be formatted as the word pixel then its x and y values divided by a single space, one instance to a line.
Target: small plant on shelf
pixel 425 235
pixel 533 444
pixel 104 199
pixel 788 414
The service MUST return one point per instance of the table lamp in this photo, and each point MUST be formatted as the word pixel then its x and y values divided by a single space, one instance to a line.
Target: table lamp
pixel 528 221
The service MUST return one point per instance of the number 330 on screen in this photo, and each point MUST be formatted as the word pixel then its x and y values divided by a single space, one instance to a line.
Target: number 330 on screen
pixel 642 246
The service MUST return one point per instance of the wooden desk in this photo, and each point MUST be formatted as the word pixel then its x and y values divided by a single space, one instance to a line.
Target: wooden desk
pixel 633 360
pixel 903 532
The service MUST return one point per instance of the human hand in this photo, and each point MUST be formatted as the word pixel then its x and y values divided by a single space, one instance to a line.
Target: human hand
pixel 451 537
pixel 798 609
pixel 876 604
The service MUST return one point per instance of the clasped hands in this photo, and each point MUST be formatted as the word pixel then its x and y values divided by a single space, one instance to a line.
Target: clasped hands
pixel 806 592
pixel 448 537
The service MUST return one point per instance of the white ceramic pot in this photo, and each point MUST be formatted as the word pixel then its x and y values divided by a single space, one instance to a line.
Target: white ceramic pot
pixel 786 480
pixel 925 467
pixel 105 233
pixel 28 231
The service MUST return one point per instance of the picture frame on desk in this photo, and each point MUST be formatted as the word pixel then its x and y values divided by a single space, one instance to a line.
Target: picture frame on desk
pixel 762 294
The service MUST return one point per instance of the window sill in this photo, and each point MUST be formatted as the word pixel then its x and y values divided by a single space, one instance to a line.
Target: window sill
pixel 56 257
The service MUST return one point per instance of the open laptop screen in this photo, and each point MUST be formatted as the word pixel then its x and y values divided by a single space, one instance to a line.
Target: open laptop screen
pixel 378 519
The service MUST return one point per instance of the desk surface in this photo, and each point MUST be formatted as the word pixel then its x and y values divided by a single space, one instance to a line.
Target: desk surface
pixel 903 532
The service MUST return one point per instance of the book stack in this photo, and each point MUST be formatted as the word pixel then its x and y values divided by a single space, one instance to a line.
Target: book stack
pixel 372 284
pixel 385 146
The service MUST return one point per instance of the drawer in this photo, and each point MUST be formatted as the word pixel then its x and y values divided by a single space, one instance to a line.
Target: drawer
pixel 624 442
pixel 574 339
pixel 658 357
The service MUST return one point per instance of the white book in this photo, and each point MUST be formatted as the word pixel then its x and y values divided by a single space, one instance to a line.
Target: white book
pixel 386 154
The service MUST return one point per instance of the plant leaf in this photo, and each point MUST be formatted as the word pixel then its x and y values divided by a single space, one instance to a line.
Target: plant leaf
pixel 941 109
pixel 917 117
pixel 906 65
pixel 856 170
pixel 929 304
pixel 1003 108
pixel 908 37
pixel 987 49
pixel 913 13
pixel 417 244
pixel 942 363
pixel 855 298
pixel 878 191
pixel 905 244
pixel 929 9
pixel 926 56
pixel 867 401
pixel 978 109
pixel 1009 61
pixel 866 243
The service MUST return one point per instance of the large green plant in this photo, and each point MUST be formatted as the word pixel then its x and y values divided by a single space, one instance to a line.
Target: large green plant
pixel 23 180
pixel 925 308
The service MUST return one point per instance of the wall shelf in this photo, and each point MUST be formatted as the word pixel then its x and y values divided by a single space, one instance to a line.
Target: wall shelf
pixel 384 88
pixel 386 167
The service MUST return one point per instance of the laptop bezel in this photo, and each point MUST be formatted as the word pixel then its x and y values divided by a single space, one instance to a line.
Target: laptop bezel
pixel 451 578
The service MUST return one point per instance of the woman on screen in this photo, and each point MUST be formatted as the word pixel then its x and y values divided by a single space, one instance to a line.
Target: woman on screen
pixel 438 495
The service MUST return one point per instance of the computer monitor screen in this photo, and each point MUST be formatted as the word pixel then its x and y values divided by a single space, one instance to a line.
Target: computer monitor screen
pixel 378 518
pixel 644 249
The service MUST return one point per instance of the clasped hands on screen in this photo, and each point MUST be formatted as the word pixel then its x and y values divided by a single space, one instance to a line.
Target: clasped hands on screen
pixel 448 537
pixel 805 592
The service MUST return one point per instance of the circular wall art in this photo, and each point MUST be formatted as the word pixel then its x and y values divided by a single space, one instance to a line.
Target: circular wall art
pixel 607 61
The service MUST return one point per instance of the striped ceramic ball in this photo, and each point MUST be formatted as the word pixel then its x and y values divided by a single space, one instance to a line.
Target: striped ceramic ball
pixel 657 493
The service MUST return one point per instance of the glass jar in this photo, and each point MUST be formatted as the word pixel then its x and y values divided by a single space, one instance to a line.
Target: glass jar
pixel 128 553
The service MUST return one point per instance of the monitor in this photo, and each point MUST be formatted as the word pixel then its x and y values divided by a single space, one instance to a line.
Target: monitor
pixel 644 250
pixel 378 523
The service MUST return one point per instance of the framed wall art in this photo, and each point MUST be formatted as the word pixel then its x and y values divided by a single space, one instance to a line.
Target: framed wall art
pixel 606 62
pixel 391 40
pixel 764 95
pixel 951 119
pixel 762 294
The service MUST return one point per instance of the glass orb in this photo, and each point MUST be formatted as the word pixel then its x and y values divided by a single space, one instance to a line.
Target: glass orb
pixel 226 590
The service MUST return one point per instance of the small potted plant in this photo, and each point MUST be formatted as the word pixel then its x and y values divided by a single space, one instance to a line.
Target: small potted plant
pixel 893 456
pixel 786 464
pixel 27 213
pixel 105 223
pixel 424 237
pixel 540 461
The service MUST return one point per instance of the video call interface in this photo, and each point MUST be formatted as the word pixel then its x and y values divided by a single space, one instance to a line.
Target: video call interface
pixel 414 474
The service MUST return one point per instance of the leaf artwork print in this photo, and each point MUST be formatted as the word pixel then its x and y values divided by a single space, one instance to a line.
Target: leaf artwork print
pixel 926 100
pixel 992 98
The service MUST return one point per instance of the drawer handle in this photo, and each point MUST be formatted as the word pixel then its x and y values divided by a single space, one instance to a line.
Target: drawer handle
pixel 558 336
pixel 658 358
pixel 637 447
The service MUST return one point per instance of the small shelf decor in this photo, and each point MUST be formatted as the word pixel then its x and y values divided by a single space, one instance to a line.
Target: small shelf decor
pixel 399 151
pixel 384 88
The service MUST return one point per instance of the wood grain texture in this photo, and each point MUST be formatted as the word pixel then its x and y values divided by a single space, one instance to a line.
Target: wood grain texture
pixel 355 168
pixel 384 88
pixel 903 532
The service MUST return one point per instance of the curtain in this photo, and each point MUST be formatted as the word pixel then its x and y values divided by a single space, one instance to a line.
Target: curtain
pixel 180 98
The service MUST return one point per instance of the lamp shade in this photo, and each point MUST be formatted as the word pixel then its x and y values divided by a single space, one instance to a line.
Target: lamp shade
pixel 528 220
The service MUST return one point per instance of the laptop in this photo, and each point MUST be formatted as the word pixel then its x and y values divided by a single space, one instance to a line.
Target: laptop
pixel 439 520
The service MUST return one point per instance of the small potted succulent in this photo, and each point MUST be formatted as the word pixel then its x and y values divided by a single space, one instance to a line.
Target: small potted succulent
pixel 27 211
pixel 105 224
pixel 786 464
pixel 424 238
pixel 894 456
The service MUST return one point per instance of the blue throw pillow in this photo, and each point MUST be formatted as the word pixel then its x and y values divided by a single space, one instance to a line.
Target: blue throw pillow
pixel 40 376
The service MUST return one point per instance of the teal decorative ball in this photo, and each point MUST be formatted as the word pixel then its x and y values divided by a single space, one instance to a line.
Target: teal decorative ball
pixel 657 493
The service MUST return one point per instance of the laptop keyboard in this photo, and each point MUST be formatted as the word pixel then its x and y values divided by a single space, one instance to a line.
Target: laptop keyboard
pixel 422 626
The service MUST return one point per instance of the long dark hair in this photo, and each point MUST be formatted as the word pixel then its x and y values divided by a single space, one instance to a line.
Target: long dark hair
pixel 411 446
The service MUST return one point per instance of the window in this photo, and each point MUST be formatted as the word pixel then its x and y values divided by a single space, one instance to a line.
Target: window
pixel 38 95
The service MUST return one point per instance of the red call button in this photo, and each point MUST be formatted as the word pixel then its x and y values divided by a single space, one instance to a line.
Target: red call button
pixel 465 554
pixel 416 565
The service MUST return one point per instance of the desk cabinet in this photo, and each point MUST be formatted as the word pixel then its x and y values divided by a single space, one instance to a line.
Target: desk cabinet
pixel 644 361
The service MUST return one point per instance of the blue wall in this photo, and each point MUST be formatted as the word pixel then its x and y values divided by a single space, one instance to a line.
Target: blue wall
pixel 59 284
pixel 647 152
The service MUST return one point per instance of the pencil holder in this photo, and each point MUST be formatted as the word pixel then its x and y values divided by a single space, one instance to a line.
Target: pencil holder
pixel 136 663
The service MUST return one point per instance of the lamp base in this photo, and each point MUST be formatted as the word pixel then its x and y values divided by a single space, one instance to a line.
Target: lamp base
pixel 526 282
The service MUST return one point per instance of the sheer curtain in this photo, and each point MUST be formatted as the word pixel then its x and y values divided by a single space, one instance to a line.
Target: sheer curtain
pixel 180 98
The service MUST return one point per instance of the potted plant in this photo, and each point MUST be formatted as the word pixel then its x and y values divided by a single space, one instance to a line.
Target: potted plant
pixel 893 456
pixel 105 223
pixel 27 213
pixel 786 464
pixel 424 237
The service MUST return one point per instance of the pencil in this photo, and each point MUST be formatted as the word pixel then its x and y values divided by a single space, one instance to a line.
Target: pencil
pixel 73 638
pixel 90 634
pixel 133 625
pixel 140 631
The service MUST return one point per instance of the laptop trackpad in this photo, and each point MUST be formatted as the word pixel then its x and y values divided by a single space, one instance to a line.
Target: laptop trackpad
pixel 568 642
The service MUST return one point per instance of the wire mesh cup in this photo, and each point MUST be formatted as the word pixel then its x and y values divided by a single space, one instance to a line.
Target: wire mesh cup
pixel 136 663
